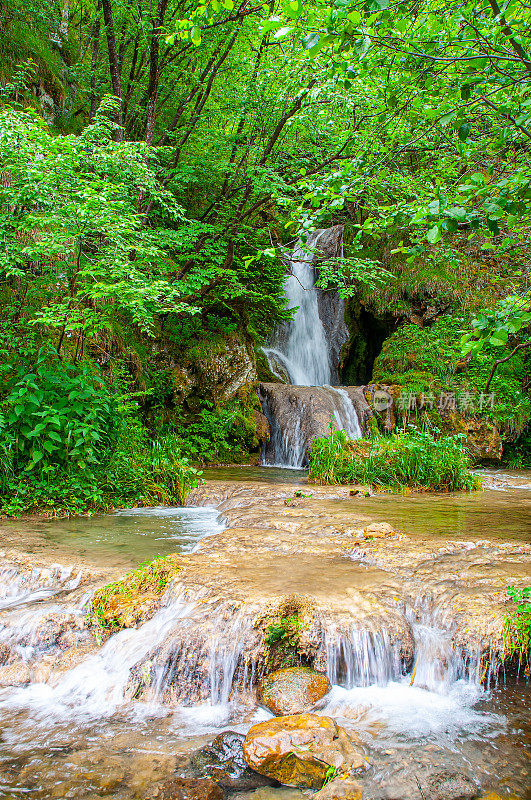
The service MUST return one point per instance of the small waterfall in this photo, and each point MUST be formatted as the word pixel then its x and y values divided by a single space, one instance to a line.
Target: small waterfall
pixel 299 414
pixel 361 657
pixel 302 348
pixel 305 353
pixel 20 585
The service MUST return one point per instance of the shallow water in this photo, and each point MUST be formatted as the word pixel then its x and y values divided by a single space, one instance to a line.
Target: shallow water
pixel 122 539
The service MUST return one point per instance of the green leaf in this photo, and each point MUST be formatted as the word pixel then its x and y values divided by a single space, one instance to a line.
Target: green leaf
pixel 311 41
pixel 464 131
pixel 195 35
pixel 434 234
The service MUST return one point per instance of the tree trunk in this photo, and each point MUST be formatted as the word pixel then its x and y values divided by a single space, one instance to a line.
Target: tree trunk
pixel 114 66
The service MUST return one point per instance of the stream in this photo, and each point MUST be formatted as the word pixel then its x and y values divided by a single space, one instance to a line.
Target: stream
pixel 80 733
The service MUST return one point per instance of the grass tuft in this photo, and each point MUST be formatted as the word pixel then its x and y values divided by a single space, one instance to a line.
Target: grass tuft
pixel 517 626
pixel 418 459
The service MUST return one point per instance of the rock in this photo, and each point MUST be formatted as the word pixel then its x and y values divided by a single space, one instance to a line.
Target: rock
pixel 298 750
pixel 14 675
pixel 451 786
pixel 189 789
pixel 263 431
pixel 5 652
pixel 342 788
pixel 294 690
pixel 303 413
pixel 378 530
pixel 483 440
pixel 223 762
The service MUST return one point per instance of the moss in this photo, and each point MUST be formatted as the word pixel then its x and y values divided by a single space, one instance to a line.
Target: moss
pixel 127 602
pixel 429 360
pixel 282 639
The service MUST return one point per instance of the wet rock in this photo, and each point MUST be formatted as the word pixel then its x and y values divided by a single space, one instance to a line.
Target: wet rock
pixel 378 530
pixel 189 789
pixel 299 414
pixel 298 750
pixel 14 675
pixel 342 788
pixel 5 652
pixel 263 432
pixel 223 762
pixel 294 690
pixel 451 786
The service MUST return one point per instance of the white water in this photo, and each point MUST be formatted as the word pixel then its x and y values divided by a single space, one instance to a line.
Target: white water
pixel 304 353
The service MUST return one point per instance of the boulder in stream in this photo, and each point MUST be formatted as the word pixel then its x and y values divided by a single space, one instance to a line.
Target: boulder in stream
pixel 378 530
pixel 294 690
pixel 223 762
pixel 299 750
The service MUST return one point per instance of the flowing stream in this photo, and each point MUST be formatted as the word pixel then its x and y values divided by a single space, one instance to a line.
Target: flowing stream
pixel 124 717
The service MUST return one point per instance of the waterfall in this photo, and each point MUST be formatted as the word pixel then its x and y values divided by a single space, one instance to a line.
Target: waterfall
pixel 305 353
pixel 303 350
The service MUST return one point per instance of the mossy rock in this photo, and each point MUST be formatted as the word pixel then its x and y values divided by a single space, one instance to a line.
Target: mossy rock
pixel 132 600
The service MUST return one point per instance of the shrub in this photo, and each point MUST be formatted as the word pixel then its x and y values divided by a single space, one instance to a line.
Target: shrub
pixel 429 359
pixel 69 444
pixel 517 626
pixel 417 459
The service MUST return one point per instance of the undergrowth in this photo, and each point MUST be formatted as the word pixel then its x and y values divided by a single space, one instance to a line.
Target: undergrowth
pixel 124 603
pixel 429 360
pixel 417 459
pixel 517 626
pixel 70 443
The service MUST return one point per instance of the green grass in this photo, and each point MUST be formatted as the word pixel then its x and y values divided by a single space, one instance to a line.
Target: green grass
pixel 418 460
pixel 517 626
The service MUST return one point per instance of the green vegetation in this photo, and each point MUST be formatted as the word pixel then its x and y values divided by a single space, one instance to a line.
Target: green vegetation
pixel 127 602
pixel 419 460
pixel 158 160
pixel 517 626
pixel 427 361
pixel 69 444
pixel 282 640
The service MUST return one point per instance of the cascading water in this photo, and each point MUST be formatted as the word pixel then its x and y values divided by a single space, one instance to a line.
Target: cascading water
pixel 303 349
pixel 304 353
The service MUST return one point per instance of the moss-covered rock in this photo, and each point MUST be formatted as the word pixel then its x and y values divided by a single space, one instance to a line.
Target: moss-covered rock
pixel 294 690
pixel 132 600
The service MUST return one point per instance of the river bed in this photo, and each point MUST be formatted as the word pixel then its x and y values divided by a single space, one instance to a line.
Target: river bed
pixel 76 736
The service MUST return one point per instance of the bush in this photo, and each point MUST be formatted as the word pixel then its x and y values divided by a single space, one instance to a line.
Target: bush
pixel 429 359
pixel 69 444
pixel 417 459
pixel 216 435
pixel 517 626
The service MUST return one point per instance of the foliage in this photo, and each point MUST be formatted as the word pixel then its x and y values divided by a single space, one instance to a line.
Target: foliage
pixel 282 639
pixel 125 603
pixel 69 205
pixel 417 459
pixel 429 360
pixel 216 435
pixel 517 626
pixel 69 444
pixel 507 326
